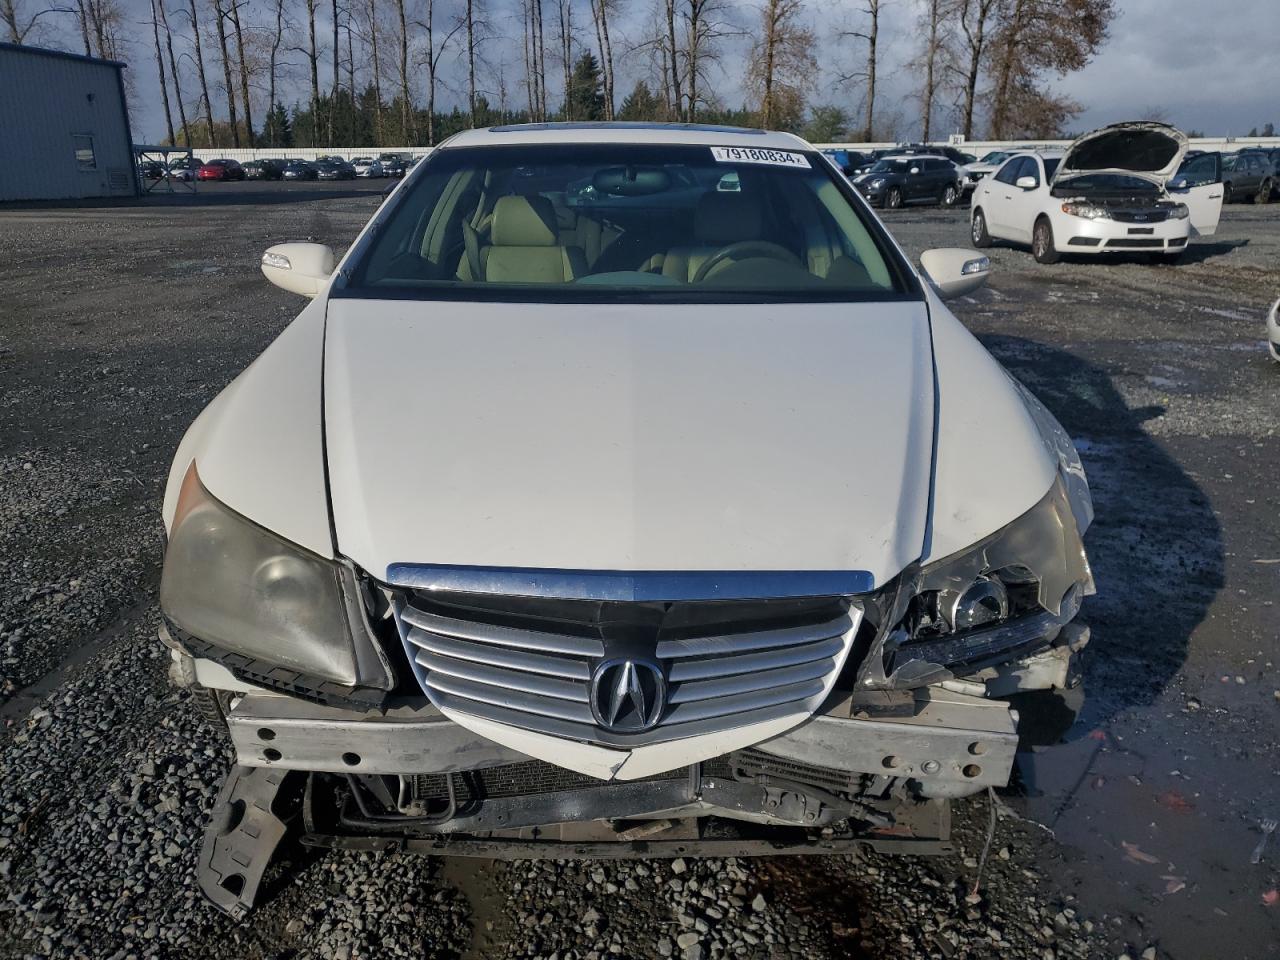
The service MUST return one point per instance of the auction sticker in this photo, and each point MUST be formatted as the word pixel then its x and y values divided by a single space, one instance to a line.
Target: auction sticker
pixel 778 158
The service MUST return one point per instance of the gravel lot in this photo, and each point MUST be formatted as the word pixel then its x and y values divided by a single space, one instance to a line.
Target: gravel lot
pixel 1132 837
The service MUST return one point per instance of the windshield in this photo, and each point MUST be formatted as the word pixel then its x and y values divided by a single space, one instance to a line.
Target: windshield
pixel 627 222
pixel 995 156
pixel 891 166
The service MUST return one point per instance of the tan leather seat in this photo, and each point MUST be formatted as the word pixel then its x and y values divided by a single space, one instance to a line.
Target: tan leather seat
pixel 718 220
pixel 524 245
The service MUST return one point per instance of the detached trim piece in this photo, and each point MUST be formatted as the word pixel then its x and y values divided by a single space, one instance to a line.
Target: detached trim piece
pixel 645 586
pixel 243 833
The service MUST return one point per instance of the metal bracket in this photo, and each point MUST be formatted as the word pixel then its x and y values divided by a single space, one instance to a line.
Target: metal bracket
pixel 243 833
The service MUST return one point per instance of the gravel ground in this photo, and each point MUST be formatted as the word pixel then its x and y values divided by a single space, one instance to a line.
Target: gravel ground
pixel 107 351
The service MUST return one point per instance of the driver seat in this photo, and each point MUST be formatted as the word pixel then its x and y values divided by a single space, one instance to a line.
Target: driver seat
pixel 719 219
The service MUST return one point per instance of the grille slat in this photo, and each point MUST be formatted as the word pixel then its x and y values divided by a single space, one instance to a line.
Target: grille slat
pixel 757 640
pixel 759 663
pixel 525 682
pixel 749 682
pixel 497 656
pixel 682 671
pixel 507 636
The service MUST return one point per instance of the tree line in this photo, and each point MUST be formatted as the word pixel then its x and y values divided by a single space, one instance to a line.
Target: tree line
pixel 374 71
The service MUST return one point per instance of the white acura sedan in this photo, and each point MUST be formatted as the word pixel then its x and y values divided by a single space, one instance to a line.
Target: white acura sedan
pixel 592 505
pixel 1108 193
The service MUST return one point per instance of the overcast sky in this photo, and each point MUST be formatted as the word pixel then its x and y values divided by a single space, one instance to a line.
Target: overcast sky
pixel 1202 64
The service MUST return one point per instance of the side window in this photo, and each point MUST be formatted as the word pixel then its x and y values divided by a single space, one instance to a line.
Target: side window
pixel 85 158
pixel 1030 168
pixel 1009 172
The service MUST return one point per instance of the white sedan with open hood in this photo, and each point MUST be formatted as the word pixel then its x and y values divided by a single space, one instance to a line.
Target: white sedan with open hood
pixel 1108 193
pixel 623 488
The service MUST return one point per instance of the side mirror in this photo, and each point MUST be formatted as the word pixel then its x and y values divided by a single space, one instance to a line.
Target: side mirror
pixel 1026 183
pixel 955 271
pixel 914 171
pixel 299 267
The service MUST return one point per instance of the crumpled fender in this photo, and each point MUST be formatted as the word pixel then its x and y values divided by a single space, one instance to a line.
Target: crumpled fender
pixel 992 463
pixel 259 446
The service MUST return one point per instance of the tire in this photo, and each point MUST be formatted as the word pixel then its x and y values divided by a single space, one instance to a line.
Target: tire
pixel 950 195
pixel 893 199
pixel 1264 192
pixel 1042 247
pixel 1228 193
pixel 978 229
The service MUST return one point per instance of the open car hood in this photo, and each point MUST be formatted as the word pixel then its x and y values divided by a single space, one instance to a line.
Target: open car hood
pixel 1144 149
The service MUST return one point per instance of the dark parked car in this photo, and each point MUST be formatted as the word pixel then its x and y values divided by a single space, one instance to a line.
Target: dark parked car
pixel 1272 159
pixel 898 180
pixel 958 157
pixel 334 169
pixel 264 169
pixel 1247 176
pixel 151 170
pixel 299 170
pixel 850 162
pixel 221 169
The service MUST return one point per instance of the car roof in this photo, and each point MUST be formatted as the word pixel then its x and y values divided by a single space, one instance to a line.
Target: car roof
pixel 688 134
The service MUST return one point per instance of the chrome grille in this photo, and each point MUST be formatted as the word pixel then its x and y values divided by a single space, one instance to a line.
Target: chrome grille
pixel 540 680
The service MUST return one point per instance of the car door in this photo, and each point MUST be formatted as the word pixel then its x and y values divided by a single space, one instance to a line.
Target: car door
pixel 1199 185
pixel 998 200
pixel 1027 201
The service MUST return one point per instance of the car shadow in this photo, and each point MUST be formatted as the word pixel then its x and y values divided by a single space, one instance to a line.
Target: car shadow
pixel 1155 547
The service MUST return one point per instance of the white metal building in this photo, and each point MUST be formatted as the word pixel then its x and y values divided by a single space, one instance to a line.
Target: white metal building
pixel 64 126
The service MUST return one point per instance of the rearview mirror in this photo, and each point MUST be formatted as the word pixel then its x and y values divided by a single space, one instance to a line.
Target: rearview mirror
pixel 955 271
pixel 299 267
pixel 1026 183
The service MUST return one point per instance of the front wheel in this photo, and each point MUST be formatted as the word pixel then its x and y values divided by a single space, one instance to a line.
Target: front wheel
pixel 1042 247
pixel 978 229
pixel 1264 192
pixel 893 199
pixel 950 195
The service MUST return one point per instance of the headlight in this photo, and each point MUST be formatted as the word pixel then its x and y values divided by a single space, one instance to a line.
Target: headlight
pixel 1179 211
pixel 1006 595
pixel 877 182
pixel 233 584
pixel 1087 210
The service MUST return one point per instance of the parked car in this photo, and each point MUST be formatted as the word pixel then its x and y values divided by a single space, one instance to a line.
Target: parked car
pixel 185 168
pixel 1247 176
pixel 1273 331
pixel 221 169
pixel 896 181
pixel 151 170
pixel 368 167
pixel 331 169
pixel 299 170
pixel 393 164
pixel 850 162
pixel 1106 194
pixel 971 173
pixel 583 596
pixel 266 169
pixel 954 154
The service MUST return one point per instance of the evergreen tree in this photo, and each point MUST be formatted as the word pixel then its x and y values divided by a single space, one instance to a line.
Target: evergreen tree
pixel 278 131
pixel 585 98
pixel 640 104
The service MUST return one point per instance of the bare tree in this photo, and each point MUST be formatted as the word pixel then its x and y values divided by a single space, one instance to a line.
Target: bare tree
pixel 244 69
pixel 564 27
pixel 204 82
pixel 273 66
pixel 936 31
pixel 871 34
pixel 20 25
pixel 173 71
pixel 781 62
pixel 101 25
pixel 406 108
pixel 371 13
pixel 164 87
pixel 704 24
pixel 220 15
pixel 535 67
pixel 974 19
pixel 434 55
pixel 600 11
pixel 337 52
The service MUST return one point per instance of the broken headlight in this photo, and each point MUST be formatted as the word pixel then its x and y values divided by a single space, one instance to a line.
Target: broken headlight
pixel 233 584
pixel 1087 210
pixel 1008 594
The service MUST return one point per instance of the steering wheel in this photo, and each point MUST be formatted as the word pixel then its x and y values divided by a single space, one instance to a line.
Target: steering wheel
pixel 741 250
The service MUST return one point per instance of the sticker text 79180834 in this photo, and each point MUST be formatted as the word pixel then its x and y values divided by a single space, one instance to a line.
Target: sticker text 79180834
pixel 780 158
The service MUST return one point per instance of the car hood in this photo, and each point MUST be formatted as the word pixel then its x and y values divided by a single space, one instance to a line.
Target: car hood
pixel 1152 151
pixel 791 437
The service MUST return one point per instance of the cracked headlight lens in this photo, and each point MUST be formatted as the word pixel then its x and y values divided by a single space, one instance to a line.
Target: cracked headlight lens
pixel 1006 595
pixel 233 584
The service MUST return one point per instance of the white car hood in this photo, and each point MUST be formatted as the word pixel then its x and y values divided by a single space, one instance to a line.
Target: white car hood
pixel 793 437
pixel 1152 151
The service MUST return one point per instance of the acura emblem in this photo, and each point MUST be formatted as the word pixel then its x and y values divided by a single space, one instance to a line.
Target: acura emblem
pixel 627 696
